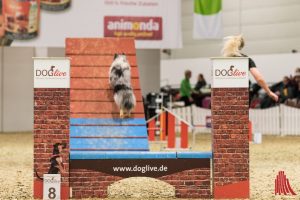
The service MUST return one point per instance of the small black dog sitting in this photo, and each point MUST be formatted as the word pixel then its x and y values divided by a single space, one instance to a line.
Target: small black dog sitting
pixel 56 162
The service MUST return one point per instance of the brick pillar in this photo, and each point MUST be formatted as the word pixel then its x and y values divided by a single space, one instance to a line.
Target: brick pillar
pixel 230 142
pixel 51 125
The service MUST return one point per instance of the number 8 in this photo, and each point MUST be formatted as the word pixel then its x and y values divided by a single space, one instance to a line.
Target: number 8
pixel 52 194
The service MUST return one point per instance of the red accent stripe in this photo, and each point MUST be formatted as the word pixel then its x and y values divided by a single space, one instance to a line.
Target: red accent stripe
pixel 184 135
pixel 240 190
pixel 99 46
pixel 289 187
pixel 283 183
pixel 171 131
pixel 86 72
pixel 101 107
pixel 151 130
pixel 279 184
pixel 275 191
pixel 99 95
pixel 96 60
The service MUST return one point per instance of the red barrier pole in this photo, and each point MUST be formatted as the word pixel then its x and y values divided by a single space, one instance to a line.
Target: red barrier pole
pixel 162 126
pixel 151 130
pixel 184 135
pixel 171 131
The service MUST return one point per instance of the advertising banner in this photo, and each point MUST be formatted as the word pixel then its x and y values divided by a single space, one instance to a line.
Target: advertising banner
pixel 154 24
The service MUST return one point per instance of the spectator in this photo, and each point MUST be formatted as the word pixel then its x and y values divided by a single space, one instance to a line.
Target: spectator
pixel 200 83
pixel 295 102
pixel 186 89
pixel 285 90
pixel 197 95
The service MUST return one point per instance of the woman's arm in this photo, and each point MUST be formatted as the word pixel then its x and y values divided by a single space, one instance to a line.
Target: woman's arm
pixel 261 82
pixel 60 166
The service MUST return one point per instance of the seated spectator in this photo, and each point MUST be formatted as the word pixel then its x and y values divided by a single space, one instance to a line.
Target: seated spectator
pixel 197 95
pixel 285 90
pixel 295 102
pixel 200 83
pixel 186 89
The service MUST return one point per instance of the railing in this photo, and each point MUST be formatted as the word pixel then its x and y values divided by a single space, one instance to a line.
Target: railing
pixel 279 120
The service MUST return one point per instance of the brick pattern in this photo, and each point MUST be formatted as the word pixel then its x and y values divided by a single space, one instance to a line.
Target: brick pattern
pixel 230 119
pixel 51 125
pixel 193 183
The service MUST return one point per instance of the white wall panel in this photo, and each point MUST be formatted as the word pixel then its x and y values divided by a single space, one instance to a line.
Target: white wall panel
pixel 269 26
pixel 18 89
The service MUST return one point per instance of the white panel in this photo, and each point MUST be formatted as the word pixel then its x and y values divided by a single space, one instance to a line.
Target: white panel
pixel 252 47
pixel 51 186
pixel 177 67
pixel 228 19
pixel 269 27
pixel 267 15
pixel 230 72
pixel 18 89
pixel 51 73
pixel 149 70
pixel 256 4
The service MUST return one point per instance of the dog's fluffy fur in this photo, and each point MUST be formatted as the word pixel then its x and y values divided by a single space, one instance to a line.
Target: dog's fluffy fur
pixel 232 46
pixel 119 79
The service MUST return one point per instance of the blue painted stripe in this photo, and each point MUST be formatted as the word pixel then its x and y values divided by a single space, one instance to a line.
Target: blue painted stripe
pixel 109 143
pixel 105 131
pixel 92 155
pixel 194 154
pixel 100 121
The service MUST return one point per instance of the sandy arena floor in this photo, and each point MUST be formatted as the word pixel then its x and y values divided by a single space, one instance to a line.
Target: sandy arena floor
pixel 266 159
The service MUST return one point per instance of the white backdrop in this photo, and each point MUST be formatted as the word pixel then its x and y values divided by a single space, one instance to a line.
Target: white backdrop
pixel 85 19
pixel 272 66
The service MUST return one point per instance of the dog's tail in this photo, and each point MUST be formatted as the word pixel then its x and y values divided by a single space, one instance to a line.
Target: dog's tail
pixel 125 99
pixel 37 175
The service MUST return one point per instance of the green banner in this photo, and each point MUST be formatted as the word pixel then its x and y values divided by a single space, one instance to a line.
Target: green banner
pixel 207 7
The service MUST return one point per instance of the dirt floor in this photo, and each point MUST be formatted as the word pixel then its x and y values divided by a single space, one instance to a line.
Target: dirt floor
pixel 266 159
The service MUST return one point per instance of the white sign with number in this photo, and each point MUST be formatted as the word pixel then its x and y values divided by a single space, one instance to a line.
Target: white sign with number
pixel 51 73
pixel 231 72
pixel 51 188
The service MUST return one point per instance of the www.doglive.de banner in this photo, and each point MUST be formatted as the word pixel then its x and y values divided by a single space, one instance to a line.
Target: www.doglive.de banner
pixel 155 24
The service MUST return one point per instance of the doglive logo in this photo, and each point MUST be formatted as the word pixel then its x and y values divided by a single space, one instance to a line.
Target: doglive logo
pixel 230 72
pixel 282 185
pixel 51 73
pixel 141 28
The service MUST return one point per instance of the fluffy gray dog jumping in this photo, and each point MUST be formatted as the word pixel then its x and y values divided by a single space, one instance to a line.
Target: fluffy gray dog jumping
pixel 120 82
